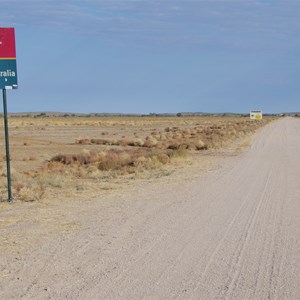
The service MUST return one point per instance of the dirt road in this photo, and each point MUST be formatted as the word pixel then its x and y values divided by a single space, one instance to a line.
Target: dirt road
pixel 231 234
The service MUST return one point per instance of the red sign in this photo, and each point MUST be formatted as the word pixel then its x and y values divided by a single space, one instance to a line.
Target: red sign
pixel 8 61
pixel 7 43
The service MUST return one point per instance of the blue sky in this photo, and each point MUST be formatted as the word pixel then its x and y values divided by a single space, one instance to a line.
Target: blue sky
pixel 143 56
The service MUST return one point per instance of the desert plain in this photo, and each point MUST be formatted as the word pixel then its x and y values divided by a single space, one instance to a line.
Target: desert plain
pixel 55 157
pixel 150 208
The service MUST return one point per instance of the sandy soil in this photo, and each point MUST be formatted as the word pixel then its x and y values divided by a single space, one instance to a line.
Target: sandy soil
pixel 230 233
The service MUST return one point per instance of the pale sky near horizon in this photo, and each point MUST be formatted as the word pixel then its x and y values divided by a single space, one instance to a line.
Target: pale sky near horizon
pixel 158 56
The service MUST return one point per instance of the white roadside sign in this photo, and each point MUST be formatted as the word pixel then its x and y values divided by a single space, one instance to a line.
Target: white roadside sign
pixel 256 115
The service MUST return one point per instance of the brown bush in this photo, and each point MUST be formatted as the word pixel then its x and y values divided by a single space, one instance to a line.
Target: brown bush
pixel 136 143
pixel 174 145
pixel 161 145
pixel 163 158
pixel 82 158
pixel 83 142
pixel 200 145
pixel 150 142
pixel 110 162
pixel 100 141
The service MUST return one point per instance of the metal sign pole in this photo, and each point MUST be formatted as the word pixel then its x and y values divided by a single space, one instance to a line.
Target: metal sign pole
pixel 10 197
pixel 8 80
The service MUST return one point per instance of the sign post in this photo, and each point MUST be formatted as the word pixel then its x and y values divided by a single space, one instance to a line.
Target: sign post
pixel 10 197
pixel 8 81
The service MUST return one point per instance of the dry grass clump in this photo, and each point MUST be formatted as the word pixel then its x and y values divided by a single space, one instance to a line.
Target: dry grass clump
pixel 34 187
pixel 30 158
pixel 111 159
pixel 83 141
pixel 105 165
pixel 82 158
pixel 150 142
pixel 137 142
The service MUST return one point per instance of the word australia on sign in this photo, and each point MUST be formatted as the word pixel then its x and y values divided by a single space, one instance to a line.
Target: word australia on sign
pixel 8 62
